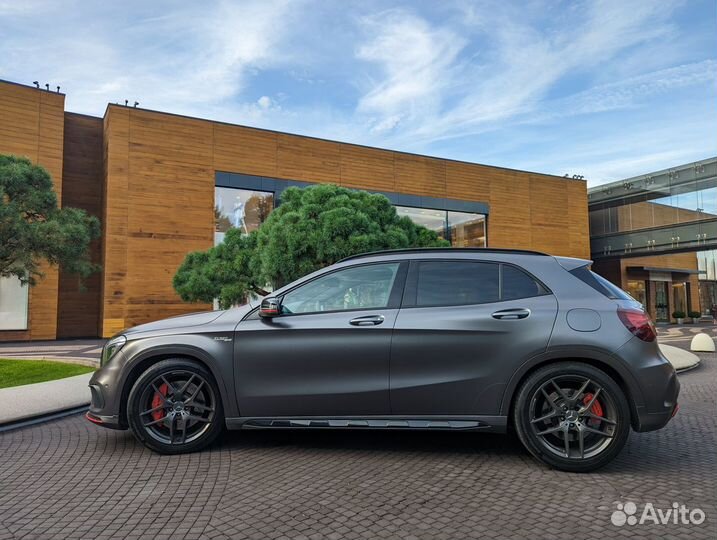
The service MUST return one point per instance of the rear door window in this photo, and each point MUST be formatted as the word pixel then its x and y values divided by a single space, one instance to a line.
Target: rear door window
pixel 455 283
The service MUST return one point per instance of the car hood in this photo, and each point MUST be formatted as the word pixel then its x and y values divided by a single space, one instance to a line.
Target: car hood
pixel 172 323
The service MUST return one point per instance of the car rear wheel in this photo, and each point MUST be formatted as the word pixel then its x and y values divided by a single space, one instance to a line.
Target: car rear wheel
pixel 175 407
pixel 572 416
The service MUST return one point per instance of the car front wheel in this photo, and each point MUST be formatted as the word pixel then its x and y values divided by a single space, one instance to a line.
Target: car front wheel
pixel 175 407
pixel 572 416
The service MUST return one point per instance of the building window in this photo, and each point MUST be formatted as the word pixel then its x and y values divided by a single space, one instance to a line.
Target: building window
pixel 707 264
pixel 462 229
pixel 247 209
pixel 684 203
pixel 240 208
pixel 466 230
pixel 13 304
pixel 636 289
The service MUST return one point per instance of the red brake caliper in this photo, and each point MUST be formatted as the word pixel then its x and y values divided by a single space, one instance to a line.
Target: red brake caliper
pixel 596 408
pixel 157 400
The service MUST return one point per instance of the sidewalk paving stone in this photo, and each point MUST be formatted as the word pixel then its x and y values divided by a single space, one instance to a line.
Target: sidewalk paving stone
pixel 70 478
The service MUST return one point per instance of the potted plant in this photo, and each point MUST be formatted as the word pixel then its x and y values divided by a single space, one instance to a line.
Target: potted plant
pixel 679 315
pixel 695 316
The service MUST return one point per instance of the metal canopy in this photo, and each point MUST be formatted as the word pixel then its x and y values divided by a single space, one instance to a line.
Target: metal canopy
pixel 655 184
pixel 677 270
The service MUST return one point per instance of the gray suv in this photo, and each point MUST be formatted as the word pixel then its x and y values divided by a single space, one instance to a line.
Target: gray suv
pixel 430 339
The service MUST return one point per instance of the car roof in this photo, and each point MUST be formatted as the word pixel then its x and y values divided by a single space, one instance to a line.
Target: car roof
pixel 411 252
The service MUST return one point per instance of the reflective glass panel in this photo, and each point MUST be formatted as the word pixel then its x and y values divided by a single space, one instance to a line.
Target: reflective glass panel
pixel 13 304
pixel 240 208
pixel 466 230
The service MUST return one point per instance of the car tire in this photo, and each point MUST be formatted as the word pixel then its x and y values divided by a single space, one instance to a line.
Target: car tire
pixel 549 423
pixel 175 407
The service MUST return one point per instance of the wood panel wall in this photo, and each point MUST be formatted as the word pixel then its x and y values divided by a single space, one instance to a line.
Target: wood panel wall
pixel 159 184
pixel 31 125
pixel 78 313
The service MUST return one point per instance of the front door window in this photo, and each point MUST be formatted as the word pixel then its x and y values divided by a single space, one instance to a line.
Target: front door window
pixel 362 287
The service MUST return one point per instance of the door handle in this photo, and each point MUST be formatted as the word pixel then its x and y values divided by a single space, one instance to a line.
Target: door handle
pixel 517 313
pixel 367 320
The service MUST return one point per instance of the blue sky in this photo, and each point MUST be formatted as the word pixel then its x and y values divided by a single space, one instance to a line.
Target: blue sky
pixel 606 89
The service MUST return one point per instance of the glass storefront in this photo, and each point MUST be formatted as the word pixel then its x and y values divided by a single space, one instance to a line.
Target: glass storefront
pixel 680 296
pixel 707 264
pixel 13 304
pixel 461 229
pixel 661 301
pixel 466 230
pixel 636 289
pixel 240 208
pixel 683 203
pixel 247 209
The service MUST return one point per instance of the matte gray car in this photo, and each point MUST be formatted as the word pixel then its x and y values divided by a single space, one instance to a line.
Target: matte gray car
pixel 434 339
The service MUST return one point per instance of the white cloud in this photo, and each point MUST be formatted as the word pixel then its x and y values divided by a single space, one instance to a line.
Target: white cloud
pixel 630 92
pixel 415 61
pixel 264 102
pixel 387 124
pixel 523 63
pixel 190 61
pixel 487 81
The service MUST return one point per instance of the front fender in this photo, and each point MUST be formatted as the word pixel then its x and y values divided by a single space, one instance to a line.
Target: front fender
pixel 216 355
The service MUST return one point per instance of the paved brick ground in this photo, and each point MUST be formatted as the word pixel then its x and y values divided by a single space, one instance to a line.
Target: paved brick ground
pixel 70 479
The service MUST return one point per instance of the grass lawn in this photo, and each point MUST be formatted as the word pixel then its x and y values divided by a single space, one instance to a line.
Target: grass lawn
pixel 17 372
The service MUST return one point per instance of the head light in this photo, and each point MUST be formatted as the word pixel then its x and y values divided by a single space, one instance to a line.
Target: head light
pixel 111 348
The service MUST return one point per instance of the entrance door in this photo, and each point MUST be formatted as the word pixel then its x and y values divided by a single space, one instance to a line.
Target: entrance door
pixel 662 307
pixel 679 294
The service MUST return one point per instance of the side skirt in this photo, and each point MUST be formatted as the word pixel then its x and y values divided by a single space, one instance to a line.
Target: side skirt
pixel 494 424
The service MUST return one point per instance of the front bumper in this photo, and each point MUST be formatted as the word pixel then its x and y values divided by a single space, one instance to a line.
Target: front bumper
pixel 111 422
pixel 105 395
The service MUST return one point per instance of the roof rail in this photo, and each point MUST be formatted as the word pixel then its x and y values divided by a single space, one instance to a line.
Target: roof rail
pixel 445 249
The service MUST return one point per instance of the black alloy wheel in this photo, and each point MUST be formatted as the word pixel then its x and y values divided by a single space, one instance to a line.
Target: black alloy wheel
pixel 175 407
pixel 572 416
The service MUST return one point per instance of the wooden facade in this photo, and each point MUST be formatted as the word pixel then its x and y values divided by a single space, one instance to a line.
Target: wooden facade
pixel 32 125
pixel 150 176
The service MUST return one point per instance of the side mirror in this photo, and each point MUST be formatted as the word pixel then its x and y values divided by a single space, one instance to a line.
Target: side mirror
pixel 270 307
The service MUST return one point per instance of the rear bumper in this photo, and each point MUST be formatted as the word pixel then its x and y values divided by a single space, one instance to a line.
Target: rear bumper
pixel 655 387
pixel 661 388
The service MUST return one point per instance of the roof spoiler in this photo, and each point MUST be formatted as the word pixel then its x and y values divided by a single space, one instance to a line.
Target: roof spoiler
pixel 570 263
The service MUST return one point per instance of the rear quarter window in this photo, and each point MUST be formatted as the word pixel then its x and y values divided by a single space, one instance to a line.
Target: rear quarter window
pixel 600 284
pixel 517 284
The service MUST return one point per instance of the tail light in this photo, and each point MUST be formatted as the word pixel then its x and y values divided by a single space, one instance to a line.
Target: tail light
pixel 638 323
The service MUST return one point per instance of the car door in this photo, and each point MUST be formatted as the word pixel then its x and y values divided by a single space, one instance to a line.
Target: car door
pixel 463 329
pixel 327 354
